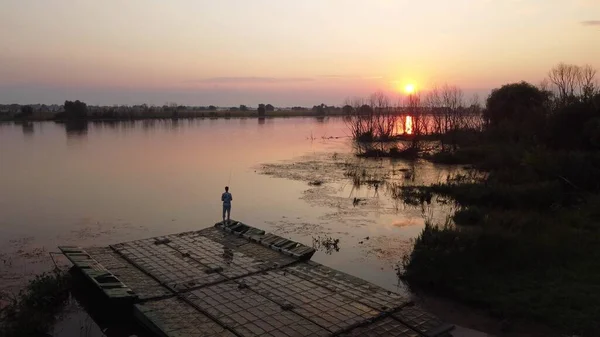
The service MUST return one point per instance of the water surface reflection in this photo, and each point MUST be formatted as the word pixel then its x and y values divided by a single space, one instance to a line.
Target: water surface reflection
pixel 28 128
pixel 136 179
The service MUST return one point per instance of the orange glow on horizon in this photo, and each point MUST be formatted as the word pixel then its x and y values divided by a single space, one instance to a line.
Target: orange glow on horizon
pixel 409 88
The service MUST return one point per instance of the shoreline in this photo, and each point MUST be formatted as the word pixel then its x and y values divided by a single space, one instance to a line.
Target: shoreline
pixel 182 115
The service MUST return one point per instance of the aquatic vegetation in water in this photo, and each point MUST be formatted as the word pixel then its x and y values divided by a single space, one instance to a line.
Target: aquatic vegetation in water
pixel 315 182
pixel 326 244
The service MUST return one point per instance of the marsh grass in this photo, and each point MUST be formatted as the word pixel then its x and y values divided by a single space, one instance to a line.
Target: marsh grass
pixel 516 264
pixel 34 310
pixel 524 244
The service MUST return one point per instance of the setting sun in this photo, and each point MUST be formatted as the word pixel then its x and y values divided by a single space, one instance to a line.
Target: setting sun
pixel 409 88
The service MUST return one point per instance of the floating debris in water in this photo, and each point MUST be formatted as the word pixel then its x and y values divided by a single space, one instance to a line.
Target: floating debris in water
pixel 357 201
pixel 326 244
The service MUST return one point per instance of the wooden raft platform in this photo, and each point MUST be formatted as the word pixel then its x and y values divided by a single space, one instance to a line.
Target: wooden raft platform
pixel 235 280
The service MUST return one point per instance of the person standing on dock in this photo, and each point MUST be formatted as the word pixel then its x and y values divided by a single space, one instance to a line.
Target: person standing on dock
pixel 226 198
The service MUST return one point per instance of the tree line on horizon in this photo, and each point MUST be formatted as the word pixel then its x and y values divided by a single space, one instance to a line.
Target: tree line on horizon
pixel 81 110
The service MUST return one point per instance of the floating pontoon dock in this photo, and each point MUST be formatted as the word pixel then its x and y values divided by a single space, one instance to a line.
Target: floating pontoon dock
pixel 236 280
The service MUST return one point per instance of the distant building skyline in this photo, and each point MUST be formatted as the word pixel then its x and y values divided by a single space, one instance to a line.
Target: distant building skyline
pixel 285 53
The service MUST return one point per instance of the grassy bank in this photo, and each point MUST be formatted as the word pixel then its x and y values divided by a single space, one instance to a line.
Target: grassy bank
pixel 524 242
pixel 33 311
pixel 549 277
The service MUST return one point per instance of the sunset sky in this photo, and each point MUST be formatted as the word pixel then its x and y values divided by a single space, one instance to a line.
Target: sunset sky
pixel 232 52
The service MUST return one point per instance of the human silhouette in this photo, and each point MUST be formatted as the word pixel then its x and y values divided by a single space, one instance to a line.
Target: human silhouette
pixel 226 198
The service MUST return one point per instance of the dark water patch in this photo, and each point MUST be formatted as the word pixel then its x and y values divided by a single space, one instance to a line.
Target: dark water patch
pixel 22 258
pixel 390 249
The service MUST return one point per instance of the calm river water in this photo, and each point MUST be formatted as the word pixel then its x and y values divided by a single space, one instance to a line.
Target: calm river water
pixel 104 183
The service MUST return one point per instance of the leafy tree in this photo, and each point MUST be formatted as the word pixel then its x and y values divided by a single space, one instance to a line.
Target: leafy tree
pixel 517 112
pixel 261 110
pixel 269 107
pixel 14 108
pixel 365 109
pixel 243 108
pixel 320 109
pixel 515 103
pixel 75 110
pixel 347 109
pixel 574 126
pixel 26 112
pixel 212 108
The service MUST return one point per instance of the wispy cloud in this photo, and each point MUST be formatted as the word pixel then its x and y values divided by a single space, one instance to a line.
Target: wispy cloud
pixel 252 79
pixel 335 76
pixel 351 77
pixel 591 23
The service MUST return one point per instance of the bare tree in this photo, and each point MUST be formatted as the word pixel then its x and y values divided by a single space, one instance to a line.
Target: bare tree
pixel 371 119
pixel 400 112
pixel 432 103
pixel 452 100
pixel 474 116
pixel 565 77
pixel 360 120
pixel 545 85
pixel 475 100
pixel 454 113
pixel 572 83
pixel 587 85
pixel 352 119
pixel 441 111
pixel 385 120
pixel 416 118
